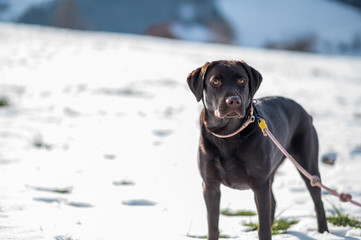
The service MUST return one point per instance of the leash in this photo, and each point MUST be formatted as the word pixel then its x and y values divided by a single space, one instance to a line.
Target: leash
pixel 315 180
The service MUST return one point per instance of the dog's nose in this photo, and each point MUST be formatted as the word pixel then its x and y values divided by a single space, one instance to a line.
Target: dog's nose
pixel 233 101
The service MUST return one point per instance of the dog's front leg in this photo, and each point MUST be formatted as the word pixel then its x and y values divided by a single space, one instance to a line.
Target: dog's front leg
pixel 212 196
pixel 263 198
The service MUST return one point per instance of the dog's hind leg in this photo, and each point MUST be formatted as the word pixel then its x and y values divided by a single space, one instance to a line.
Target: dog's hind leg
pixel 273 207
pixel 305 151
pixel 316 197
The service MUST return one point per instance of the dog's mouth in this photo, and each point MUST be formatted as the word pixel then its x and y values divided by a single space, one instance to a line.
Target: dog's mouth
pixel 229 114
pixel 232 115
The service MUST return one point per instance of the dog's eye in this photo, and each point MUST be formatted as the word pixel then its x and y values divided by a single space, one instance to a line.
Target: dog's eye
pixel 241 81
pixel 216 82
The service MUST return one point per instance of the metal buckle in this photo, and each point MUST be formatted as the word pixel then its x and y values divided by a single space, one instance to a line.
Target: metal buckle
pixel 253 118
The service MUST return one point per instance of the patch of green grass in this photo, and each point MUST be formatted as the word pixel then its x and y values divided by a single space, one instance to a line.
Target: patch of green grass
pixel 221 236
pixel 230 213
pixel 197 236
pixel 39 143
pixel 338 218
pixel 4 102
pixel 123 183
pixel 64 190
pixel 279 226
pixel 344 220
pixel 65 237
pixel 253 226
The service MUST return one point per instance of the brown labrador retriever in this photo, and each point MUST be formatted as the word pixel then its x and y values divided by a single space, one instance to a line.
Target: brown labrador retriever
pixel 233 150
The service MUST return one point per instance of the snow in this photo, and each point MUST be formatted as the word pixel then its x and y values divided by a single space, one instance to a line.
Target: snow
pixel 110 108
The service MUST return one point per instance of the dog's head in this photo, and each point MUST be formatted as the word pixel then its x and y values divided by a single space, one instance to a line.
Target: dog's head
pixel 227 87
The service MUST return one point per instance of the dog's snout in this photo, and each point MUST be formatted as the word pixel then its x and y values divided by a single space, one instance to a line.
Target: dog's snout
pixel 233 101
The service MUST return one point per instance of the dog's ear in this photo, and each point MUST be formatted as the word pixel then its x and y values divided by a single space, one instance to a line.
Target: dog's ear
pixel 195 81
pixel 254 76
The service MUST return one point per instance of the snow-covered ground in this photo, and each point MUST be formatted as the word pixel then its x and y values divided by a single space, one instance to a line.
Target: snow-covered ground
pixel 100 138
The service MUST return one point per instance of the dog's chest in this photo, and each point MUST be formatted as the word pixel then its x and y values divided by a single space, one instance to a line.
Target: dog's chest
pixel 234 172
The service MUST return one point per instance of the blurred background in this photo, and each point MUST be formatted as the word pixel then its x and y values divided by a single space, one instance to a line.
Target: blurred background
pixel 318 26
pixel 99 131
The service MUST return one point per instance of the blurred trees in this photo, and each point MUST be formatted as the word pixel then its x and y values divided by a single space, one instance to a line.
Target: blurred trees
pixel 154 17
pixel 66 15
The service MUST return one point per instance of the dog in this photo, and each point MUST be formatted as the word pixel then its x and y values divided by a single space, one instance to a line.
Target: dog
pixel 232 149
